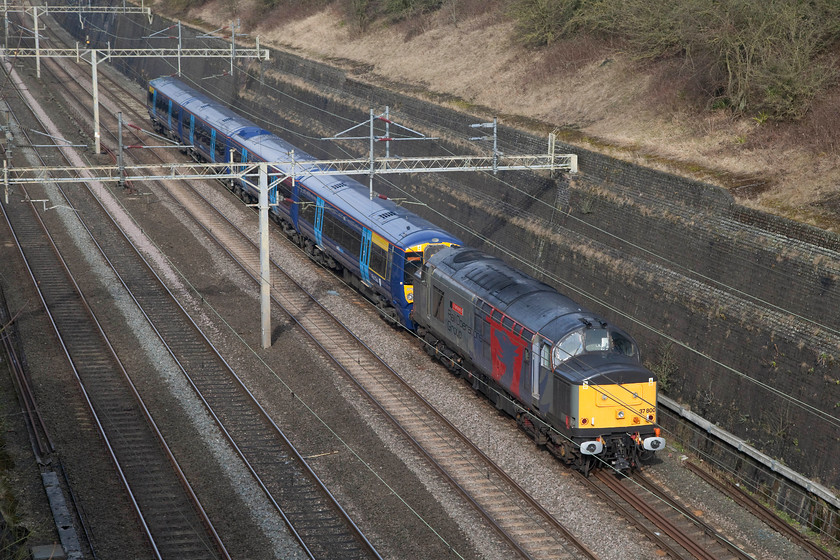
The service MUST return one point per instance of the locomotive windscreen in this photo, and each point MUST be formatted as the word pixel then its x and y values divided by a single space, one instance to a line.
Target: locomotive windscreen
pixel 413 262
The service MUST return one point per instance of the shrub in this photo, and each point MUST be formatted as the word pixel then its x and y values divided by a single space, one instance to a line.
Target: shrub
pixel 750 56
pixel 541 22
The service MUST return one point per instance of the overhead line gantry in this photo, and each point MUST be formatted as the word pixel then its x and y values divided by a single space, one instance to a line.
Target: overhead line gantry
pixel 95 56
pixel 262 170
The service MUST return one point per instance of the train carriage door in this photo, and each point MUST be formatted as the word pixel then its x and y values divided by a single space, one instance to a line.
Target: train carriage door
pixel 154 102
pixel 213 145
pixel 273 185
pixel 169 115
pixel 539 359
pixel 180 124
pixel 192 130
pixel 319 221
pixel 364 256
pixel 526 392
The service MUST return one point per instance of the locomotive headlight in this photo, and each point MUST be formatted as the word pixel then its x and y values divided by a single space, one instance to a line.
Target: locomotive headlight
pixel 620 414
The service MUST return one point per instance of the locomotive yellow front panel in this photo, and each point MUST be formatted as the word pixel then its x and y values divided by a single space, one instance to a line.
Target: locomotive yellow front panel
pixel 632 405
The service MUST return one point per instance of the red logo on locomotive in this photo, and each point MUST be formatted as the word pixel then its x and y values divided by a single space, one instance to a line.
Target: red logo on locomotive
pixel 507 352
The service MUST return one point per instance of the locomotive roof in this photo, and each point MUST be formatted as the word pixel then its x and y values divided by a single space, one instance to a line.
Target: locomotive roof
pixel 396 224
pixel 528 301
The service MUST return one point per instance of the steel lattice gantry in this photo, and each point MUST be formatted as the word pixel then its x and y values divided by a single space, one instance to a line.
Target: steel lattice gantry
pixel 195 171
pixel 261 172
pixel 95 56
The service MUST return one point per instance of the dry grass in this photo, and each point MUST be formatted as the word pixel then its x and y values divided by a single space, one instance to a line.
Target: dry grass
pixel 646 115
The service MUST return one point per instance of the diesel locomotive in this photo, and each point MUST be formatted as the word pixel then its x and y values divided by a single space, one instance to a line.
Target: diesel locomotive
pixel 573 382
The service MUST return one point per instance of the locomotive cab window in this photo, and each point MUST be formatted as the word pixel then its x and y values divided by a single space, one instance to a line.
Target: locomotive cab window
pixel 596 340
pixel 569 347
pixel 624 345
pixel 592 340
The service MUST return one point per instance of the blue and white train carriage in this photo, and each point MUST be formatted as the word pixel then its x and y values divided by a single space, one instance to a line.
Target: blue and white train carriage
pixel 375 243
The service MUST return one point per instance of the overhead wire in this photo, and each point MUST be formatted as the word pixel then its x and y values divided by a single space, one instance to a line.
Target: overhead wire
pixel 371 468
pixel 652 253
pixel 801 404
pixel 547 273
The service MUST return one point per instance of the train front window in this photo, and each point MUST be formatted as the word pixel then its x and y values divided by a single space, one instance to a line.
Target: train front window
pixel 580 341
pixel 569 347
pixel 624 345
pixel 413 262
pixel 597 340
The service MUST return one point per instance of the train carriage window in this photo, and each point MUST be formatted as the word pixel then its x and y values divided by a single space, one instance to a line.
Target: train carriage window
pixel 437 303
pixel 162 104
pixel 379 260
pixel 330 227
pixel 221 154
pixel 201 136
pixel 354 241
pixel 307 211
pixel 497 316
pixel 507 323
pixel 285 187
pixel 336 229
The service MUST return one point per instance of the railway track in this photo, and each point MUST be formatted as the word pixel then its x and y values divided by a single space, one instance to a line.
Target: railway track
pixel 676 530
pixel 528 527
pixel 170 515
pixel 440 451
pixel 466 468
pixel 760 511
pixel 313 515
pixel 39 434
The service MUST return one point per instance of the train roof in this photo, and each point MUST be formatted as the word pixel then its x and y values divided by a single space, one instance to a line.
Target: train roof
pixel 396 224
pixel 524 299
